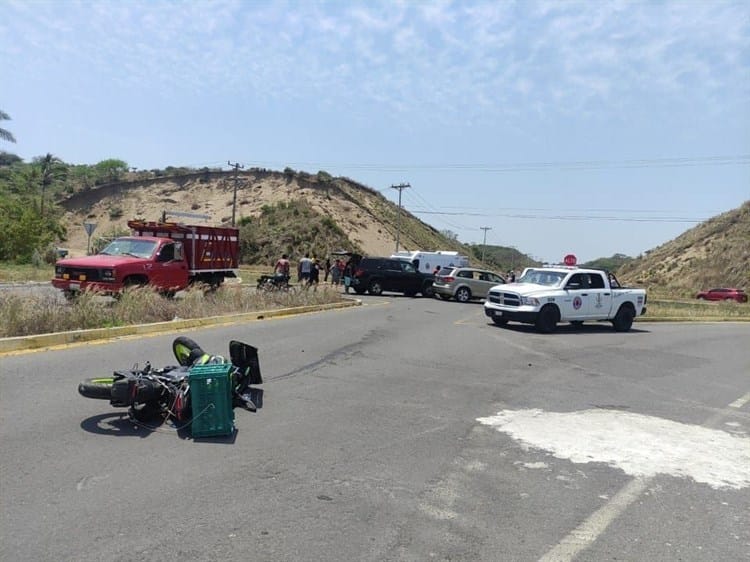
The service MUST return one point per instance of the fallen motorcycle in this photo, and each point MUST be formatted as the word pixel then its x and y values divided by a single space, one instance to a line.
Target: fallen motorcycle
pixel 273 283
pixel 159 393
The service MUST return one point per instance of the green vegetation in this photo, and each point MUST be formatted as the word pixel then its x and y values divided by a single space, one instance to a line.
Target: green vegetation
pixel 613 263
pixel 293 228
pixel 716 253
pixel 5 134
pixel 501 258
pixel 22 315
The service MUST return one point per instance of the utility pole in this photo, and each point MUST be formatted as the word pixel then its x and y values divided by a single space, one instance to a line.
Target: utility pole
pixel 400 188
pixel 484 244
pixel 236 167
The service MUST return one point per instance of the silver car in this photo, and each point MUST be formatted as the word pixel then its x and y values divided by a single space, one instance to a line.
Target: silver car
pixel 464 283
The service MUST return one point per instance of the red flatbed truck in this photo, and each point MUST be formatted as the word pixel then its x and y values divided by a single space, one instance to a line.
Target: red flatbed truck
pixel 167 256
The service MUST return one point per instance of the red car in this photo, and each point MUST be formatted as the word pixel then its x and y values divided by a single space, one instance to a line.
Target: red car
pixel 724 294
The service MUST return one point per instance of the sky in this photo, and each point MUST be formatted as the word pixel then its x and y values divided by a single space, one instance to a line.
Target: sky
pixel 590 128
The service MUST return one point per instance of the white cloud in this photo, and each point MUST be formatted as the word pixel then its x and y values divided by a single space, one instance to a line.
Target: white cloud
pixel 554 56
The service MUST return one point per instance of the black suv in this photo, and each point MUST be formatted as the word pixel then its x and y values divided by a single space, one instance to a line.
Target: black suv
pixel 376 275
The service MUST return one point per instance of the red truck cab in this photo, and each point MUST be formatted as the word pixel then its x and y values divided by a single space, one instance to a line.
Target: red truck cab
pixel 166 256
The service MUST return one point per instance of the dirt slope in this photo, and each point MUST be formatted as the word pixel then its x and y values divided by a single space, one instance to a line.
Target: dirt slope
pixel 368 218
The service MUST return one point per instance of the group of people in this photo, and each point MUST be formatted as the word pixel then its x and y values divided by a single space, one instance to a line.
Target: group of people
pixel 308 271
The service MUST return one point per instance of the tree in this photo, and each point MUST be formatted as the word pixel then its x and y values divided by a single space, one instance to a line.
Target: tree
pixel 51 171
pixel 449 234
pixel 6 135
pixel 8 159
pixel 111 169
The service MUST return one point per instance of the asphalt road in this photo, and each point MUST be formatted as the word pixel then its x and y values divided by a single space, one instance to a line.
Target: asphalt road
pixel 368 446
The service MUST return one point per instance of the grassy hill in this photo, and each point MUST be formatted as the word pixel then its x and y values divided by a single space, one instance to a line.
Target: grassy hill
pixel 297 213
pixel 715 253
pixel 278 212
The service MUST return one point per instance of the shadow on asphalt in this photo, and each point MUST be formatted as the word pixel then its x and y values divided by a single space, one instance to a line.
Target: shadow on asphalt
pixel 565 329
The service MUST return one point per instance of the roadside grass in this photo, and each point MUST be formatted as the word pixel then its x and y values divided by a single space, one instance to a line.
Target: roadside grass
pixel 23 273
pixel 24 315
pixel 696 310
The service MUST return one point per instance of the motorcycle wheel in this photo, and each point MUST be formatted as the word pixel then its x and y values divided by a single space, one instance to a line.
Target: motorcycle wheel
pixel 186 350
pixel 98 388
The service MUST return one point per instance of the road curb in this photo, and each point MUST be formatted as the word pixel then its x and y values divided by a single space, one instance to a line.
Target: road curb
pixel 38 341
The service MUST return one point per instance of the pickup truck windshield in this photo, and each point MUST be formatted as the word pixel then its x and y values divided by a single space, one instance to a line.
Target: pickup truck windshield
pixel 541 277
pixel 130 247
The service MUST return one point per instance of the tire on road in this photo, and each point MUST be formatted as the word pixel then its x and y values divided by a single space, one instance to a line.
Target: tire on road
pixel 546 321
pixel 623 320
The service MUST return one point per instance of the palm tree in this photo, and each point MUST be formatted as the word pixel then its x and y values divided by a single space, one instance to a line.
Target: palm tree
pixel 52 170
pixel 6 135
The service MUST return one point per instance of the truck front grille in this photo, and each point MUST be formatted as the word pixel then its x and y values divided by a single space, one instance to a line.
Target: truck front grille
pixel 507 299
pixel 80 274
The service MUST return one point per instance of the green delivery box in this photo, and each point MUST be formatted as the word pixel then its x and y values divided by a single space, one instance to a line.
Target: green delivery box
pixel 211 400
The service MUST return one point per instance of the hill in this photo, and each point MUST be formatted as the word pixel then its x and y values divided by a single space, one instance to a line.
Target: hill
pixel 715 253
pixel 292 212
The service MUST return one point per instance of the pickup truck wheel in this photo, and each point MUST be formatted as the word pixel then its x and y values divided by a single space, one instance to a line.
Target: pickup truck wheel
pixel 623 320
pixel 428 291
pixel 375 288
pixel 546 321
pixel 463 294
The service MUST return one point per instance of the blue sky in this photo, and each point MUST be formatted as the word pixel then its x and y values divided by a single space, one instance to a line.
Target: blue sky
pixel 584 127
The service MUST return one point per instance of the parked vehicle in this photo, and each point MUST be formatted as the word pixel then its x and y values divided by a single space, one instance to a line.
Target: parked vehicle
pixel 426 262
pixel 164 255
pixel 375 275
pixel 151 394
pixel 545 296
pixel 465 283
pixel 723 294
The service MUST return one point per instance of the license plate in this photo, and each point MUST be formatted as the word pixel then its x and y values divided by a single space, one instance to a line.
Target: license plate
pixel 498 313
pixel 74 286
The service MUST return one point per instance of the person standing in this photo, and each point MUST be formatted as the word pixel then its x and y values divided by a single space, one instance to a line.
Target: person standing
pixel 315 272
pixel 281 269
pixel 336 272
pixel 303 269
pixel 327 271
pixel 348 274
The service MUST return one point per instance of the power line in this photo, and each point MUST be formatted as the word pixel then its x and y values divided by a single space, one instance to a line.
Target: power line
pixel 690 161
pixel 567 217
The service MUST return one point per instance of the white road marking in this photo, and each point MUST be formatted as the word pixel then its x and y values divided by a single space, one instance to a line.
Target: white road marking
pixel 587 532
pixel 640 445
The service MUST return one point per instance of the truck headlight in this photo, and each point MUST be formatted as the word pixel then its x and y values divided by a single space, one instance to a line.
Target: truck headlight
pixel 530 301
pixel 108 274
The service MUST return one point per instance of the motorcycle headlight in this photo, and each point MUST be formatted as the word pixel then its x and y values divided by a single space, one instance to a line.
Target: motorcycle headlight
pixel 530 301
pixel 108 274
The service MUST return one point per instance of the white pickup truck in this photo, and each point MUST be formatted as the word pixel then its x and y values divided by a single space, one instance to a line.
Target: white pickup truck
pixel 547 295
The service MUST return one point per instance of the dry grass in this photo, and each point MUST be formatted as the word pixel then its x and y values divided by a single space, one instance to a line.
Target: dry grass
pixel 23 315
pixel 696 310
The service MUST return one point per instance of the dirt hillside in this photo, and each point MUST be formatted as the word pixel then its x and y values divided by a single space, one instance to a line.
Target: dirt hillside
pixel 368 218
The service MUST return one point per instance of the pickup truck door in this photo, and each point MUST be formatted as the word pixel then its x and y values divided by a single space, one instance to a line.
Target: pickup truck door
pixel 575 301
pixel 599 297
pixel 169 269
